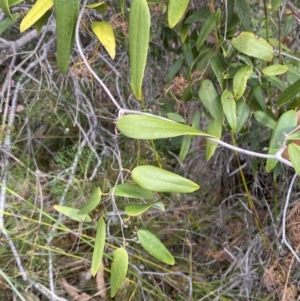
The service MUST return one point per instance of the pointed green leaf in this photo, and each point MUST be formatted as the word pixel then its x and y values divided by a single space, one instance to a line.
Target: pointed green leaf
pixel 294 153
pixel 240 81
pixel 214 128
pixel 288 94
pixel 160 180
pixel 286 123
pixel 174 69
pixel 73 213
pixel 118 270
pixel 229 108
pixel 176 10
pixel 105 34
pixel 185 146
pixel 207 27
pixel 274 70
pixel 132 191
pixel 265 119
pixel 99 246
pixel 146 126
pixel 210 99
pixel 155 247
pixel 4 6
pixel 139 31
pixel 138 209
pixel 242 115
pixel 243 11
pixel 35 13
pixel 92 202
pixel 100 7
pixel 66 13
pixel 253 45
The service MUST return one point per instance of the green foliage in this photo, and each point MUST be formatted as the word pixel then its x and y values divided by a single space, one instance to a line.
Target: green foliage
pixel 157 179
pixel 286 123
pixel 145 126
pixel 98 246
pixel 73 213
pixel 155 247
pixel 252 45
pixel 36 13
pixel 118 269
pixel 237 77
pixel 66 13
pixel 176 10
pixel 92 202
pixel 139 31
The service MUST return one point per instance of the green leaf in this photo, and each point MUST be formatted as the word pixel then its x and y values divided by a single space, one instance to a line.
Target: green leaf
pixel 242 115
pixel 160 180
pixel 174 69
pixel 286 123
pixel 4 6
pixel 260 98
pixel 274 70
pixel 73 213
pixel 176 117
pixel 265 119
pixel 35 13
pixel 240 81
pixel 105 34
pixel 210 99
pixel 218 67
pixel 42 21
pixel 253 45
pixel 100 7
pixel 92 202
pixel 185 146
pixel 207 27
pixel 294 136
pixel 197 16
pixel 294 154
pixel 243 11
pixel 118 270
pixel 196 120
pixel 288 94
pixel 214 128
pixel 276 82
pixel 184 32
pixel 146 126
pixel 138 209
pixel 176 10
pixel 132 191
pixel 155 247
pixel 229 108
pixel 66 14
pixel 99 246
pixel 139 31
pixel 7 22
